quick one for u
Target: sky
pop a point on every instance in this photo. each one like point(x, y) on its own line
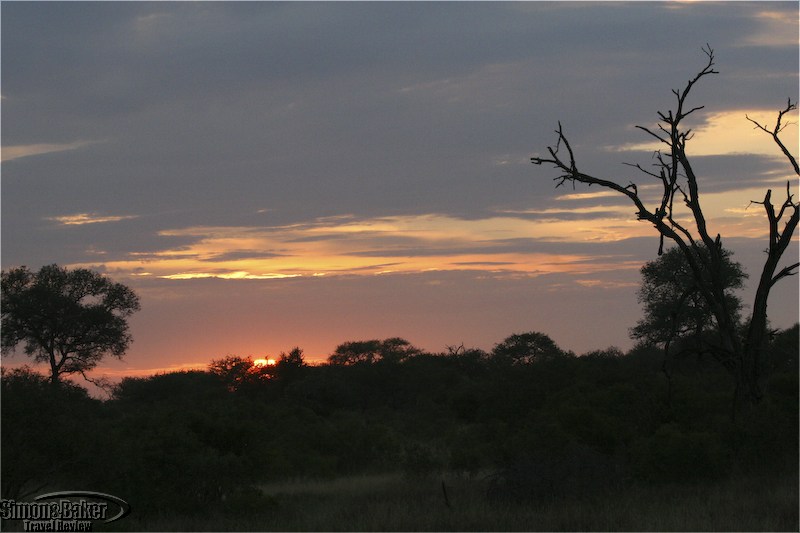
point(268, 175)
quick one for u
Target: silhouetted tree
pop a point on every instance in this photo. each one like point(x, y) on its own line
point(527, 348)
point(612, 352)
point(673, 305)
point(69, 319)
point(460, 351)
point(353, 352)
point(394, 349)
point(235, 371)
point(680, 186)
point(397, 350)
point(470, 361)
point(290, 366)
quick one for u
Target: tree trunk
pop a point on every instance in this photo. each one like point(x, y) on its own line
point(55, 369)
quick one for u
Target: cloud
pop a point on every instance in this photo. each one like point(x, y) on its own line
point(79, 219)
point(603, 212)
point(587, 195)
point(605, 284)
point(236, 255)
point(774, 29)
point(9, 153)
point(227, 275)
point(729, 133)
point(349, 245)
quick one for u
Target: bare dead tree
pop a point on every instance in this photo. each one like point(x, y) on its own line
point(740, 355)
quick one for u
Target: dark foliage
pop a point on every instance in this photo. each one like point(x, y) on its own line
point(574, 472)
point(372, 351)
point(45, 432)
point(555, 427)
point(69, 319)
point(526, 348)
point(672, 303)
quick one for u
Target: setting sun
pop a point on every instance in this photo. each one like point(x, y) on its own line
point(264, 362)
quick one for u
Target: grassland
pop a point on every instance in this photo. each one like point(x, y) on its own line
point(394, 502)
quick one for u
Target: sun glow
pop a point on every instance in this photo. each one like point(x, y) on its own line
point(264, 362)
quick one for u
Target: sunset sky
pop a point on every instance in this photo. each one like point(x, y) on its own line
point(270, 175)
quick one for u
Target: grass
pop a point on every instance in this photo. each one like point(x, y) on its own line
point(394, 502)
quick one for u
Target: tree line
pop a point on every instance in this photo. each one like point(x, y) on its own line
point(540, 421)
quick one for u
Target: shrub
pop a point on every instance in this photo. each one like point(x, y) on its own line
point(674, 455)
point(578, 471)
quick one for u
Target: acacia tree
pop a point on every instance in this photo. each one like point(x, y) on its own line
point(392, 350)
point(237, 372)
point(527, 348)
point(69, 319)
point(741, 355)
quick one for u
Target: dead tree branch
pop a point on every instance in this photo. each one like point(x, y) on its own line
point(775, 132)
point(679, 181)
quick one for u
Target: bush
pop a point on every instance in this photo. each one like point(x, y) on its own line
point(46, 431)
point(576, 472)
point(419, 459)
point(674, 455)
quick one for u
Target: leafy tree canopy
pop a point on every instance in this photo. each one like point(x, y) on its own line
point(673, 304)
point(69, 319)
point(394, 349)
point(290, 366)
point(236, 372)
point(526, 348)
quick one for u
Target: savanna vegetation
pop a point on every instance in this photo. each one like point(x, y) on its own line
point(525, 437)
point(695, 428)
